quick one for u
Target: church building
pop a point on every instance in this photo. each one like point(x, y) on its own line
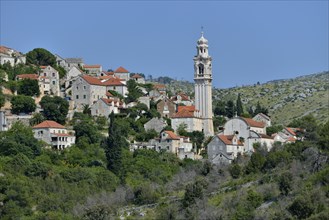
point(203, 85)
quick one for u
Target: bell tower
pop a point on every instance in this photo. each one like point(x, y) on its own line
point(203, 85)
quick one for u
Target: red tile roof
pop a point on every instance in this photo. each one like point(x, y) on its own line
point(253, 123)
point(92, 80)
point(43, 67)
point(112, 82)
point(28, 76)
point(291, 139)
point(184, 114)
point(136, 76)
point(48, 124)
point(121, 70)
point(159, 86)
point(291, 131)
point(188, 108)
point(91, 66)
point(227, 139)
point(96, 81)
point(171, 135)
point(4, 49)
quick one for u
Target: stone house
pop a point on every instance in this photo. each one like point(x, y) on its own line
point(263, 118)
point(54, 134)
point(122, 73)
point(166, 107)
point(222, 149)
point(189, 116)
point(104, 107)
point(52, 76)
point(71, 75)
point(247, 131)
point(86, 90)
point(182, 98)
point(155, 123)
point(11, 56)
point(170, 142)
point(94, 70)
point(138, 78)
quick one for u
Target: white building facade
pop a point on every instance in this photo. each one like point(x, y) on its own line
point(203, 85)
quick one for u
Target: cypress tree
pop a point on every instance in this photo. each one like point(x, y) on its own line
point(239, 107)
point(114, 145)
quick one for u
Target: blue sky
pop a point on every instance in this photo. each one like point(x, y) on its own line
point(249, 41)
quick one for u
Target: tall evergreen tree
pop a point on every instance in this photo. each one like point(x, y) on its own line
point(230, 109)
point(239, 107)
point(114, 146)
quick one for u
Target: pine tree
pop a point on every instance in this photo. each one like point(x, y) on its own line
point(239, 107)
point(114, 146)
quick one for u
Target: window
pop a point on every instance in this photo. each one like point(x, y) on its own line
point(84, 87)
point(54, 74)
point(84, 96)
point(77, 96)
point(201, 69)
point(54, 82)
point(45, 74)
point(113, 87)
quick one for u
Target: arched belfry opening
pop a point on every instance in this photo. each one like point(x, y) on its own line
point(201, 69)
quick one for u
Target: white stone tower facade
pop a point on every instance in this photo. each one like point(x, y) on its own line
point(203, 85)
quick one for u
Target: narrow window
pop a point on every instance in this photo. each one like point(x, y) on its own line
point(77, 96)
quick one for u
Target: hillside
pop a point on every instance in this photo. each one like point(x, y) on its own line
point(286, 99)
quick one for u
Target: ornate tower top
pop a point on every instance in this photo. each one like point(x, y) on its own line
point(202, 40)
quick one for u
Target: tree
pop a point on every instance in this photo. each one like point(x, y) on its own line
point(19, 139)
point(197, 138)
point(54, 108)
point(22, 104)
point(302, 207)
point(37, 118)
point(2, 99)
point(181, 130)
point(260, 109)
point(40, 57)
point(230, 109)
point(114, 146)
point(220, 108)
point(133, 91)
point(28, 87)
point(239, 107)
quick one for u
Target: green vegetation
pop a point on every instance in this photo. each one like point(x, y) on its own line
point(54, 108)
point(22, 104)
point(28, 87)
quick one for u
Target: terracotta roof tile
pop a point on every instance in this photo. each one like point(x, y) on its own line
point(136, 76)
point(111, 81)
point(121, 70)
point(48, 124)
point(227, 139)
point(188, 108)
point(171, 135)
point(253, 123)
point(291, 131)
point(159, 86)
point(92, 80)
point(184, 114)
point(28, 76)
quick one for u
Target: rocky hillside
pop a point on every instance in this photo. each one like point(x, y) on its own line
point(285, 99)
